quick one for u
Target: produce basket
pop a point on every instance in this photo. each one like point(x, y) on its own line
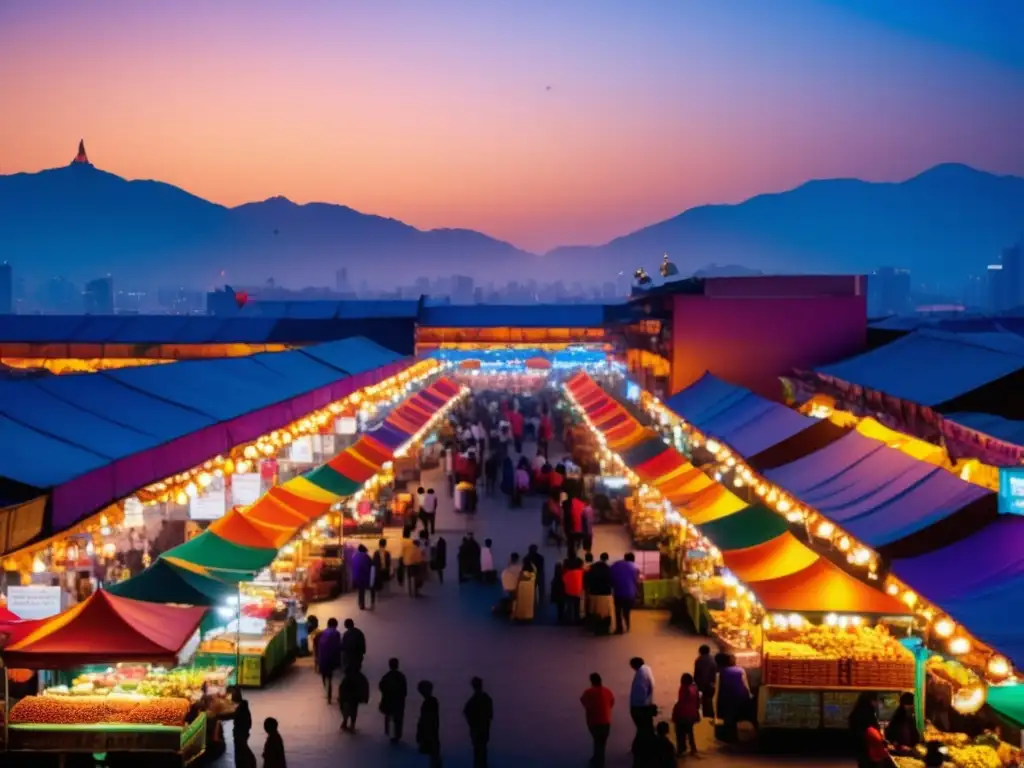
point(806, 672)
point(884, 675)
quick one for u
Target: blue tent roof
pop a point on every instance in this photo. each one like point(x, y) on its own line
point(1007, 430)
point(53, 429)
point(931, 367)
point(877, 493)
point(746, 421)
point(514, 316)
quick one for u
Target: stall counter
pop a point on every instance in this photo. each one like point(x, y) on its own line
point(256, 669)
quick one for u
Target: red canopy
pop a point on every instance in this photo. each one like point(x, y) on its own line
point(105, 629)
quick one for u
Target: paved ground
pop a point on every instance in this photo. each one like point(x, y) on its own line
point(535, 673)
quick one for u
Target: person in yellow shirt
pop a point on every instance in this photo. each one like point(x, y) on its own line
point(412, 560)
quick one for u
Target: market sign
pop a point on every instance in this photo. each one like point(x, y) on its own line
point(134, 513)
point(246, 488)
point(1011, 491)
point(301, 450)
point(210, 503)
point(34, 602)
point(346, 425)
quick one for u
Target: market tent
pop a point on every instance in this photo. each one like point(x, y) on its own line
point(745, 421)
point(823, 587)
point(1007, 701)
point(883, 496)
point(978, 580)
point(243, 531)
point(776, 557)
point(164, 582)
point(931, 367)
point(6, 615)
point(812, 439)
point(752, 525)
point(105, 629)
point(912, 446)
point(221, 557)
point(712, 503)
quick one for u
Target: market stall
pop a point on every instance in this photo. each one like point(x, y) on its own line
point(115, 716)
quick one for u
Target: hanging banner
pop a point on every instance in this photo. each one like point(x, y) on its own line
point(246, 488)
point(346, 425)
point(329, 445)
point(35, 602)
point(134, 513)
point(301, 450)
point(210, 503)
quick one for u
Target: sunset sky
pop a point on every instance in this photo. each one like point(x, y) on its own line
point(539, 122)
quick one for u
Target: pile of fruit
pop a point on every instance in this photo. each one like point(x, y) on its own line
point(987, 751)
point(953, 672)
point(826, 642)
point(115, 708)
point(142, 680)
point(974, 756)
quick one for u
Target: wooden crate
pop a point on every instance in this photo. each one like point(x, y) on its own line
point(884, 675)
point(807, 672)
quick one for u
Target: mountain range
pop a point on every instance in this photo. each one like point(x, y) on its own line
point(79, 221)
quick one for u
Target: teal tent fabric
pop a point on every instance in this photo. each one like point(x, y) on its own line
point(164, 582)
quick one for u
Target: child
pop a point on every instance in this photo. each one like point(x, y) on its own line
point(273, 748)
point(487, 571)
point(685, 714)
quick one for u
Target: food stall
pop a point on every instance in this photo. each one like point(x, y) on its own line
point(90, 719)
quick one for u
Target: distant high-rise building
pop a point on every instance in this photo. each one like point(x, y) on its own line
point(889, 291)
point(974, 292)
point(462, 289)
point(99, 296)
point(1013, 273)
point(6, 289)
point(341, 281)
point(58, 294)
point(81, 158)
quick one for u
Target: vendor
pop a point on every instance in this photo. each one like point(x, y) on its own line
point(902, 731)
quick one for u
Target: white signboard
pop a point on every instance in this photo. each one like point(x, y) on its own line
point(318, 445)
point(346, 425)
point(35, 602)
point(134, 513)
point(301, 450)
point(210, 503)
point(329, 446)
point(246, 488)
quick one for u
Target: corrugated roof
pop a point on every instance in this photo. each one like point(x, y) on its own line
point(1007, 430)
point(931, 367)
point(514, 316)
point(139, 425)
point(746, 421)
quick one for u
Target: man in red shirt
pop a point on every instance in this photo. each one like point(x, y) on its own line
point(598, 702)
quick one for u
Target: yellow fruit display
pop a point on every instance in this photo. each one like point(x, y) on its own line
point(974, 756)
point(83, 710)
point(952, 672)
point(832, 642)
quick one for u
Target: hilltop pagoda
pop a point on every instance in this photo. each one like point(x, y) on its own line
point(81, 158)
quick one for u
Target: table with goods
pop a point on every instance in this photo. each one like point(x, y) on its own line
point(260, 644)
point(124, 708)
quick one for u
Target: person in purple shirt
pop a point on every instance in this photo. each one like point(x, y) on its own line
point(328, 652)
point(362, 574)
point(625, 583)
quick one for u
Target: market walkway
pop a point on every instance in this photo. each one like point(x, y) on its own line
point(534, 673)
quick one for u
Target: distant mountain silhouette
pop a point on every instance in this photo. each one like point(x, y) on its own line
point(79, 222)
point(947, 222)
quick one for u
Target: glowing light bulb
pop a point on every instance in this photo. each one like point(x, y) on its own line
point(831, 619)
point(958, 646)
point(825, 529)
point(998, 667)
point(944, 628)
point(893, 590)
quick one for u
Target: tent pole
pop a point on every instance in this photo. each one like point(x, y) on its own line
point(238, 636)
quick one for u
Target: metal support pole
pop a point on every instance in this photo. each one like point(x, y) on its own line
point(238, 637)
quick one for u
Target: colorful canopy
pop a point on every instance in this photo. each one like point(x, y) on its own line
point(756, 543)
point(748, 422)
point(105, 629)
point(244, 541)
point(165, 582)
point(882, 495)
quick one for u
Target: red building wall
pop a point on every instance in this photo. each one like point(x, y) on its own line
point(752, 339)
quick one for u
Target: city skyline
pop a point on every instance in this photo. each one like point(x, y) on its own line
point(442, 117)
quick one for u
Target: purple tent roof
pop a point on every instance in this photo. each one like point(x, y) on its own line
point(879, 494)
point(746, 421)
point(992, 556)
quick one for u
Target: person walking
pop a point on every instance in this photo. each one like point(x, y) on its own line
point(381, 570)
point(602, 604)
point(510, 577)
point(597, 703)
point(362, 574)
point(625, 579)
point(429, 513)
point(353, 645)
point(329, 655)
point(572, 581)
point(393, 691)
point(479, 713)
point(428, 728)
point(534, 561)
point(488, 573)
point(439, 559)
point(273, 747)
point(353, 690)
point(241, 722)
point(686, 714)
point(491, 466)
point(705, 672)
point(421, 495)
point(412, 560)
point(641, 695)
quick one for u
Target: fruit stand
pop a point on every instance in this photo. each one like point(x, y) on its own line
point(117, 709)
